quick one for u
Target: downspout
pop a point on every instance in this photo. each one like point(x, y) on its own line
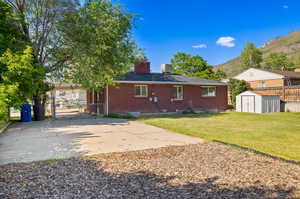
point(107, 100)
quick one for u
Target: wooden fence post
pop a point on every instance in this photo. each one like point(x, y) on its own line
point(283, 93)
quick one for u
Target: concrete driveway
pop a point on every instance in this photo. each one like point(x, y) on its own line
point(25, 142)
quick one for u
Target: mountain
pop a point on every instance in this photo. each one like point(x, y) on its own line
point(289, 44)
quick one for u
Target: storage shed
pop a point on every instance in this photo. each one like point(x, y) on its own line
point(252, 102)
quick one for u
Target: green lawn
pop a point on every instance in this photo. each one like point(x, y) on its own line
point(276, 134)
point(1, 124)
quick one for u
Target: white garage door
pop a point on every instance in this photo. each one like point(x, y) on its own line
point(248, 103)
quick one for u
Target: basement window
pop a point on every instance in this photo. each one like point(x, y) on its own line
point(209, 91)
point(177, 93)
point(141, 91)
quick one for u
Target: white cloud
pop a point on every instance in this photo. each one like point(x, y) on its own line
point(200, 46)
point(285, 6)
point(226, 41)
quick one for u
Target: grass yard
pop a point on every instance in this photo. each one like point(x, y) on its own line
point(276, 134)
point(2, 124)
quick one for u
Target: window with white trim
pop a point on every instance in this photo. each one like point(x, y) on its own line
point(261, 84)
point(177, 93)
point(141, 91)
point(209, 91)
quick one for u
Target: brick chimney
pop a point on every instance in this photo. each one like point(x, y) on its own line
point(142, 67)
point(297, 70)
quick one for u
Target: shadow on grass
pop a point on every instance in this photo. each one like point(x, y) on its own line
point(86, 178)
point(257, 152)
point(179, 116)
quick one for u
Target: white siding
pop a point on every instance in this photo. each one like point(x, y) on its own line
point(254, 74)
point(270, 104)
point(263, 104)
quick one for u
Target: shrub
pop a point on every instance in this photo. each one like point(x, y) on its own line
point(230, 106)
point(236, 87)
point(120, 116)
point(188, 111)
point(3, 104)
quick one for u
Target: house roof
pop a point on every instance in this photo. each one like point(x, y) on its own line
point(288, 74)
point(261, 93)
point(164, 78)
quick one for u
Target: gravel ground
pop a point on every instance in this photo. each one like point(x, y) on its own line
point(194, 171)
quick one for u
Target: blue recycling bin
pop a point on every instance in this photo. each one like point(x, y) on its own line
point(26, 113)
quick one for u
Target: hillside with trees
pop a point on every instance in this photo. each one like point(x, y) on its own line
point(275, 49)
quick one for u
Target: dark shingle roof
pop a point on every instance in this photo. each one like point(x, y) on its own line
point(165, 78)
point(288, 74)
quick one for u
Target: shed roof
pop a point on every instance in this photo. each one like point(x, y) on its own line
point(257, 93)
point(166, 78)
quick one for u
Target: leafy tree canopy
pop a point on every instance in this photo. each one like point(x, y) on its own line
point(278, 61)
point(251, 56)
point(22, 75)
point(16, 69)
point(236, 87)
point(194, 66)
point(10, 36)
point(98, 38)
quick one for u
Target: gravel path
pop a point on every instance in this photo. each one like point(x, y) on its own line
point(194, 171)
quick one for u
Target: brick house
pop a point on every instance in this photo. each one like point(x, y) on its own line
point(145, 92)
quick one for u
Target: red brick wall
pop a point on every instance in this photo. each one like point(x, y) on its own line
point(143, 67)
point(122, 99)
point(97, 101)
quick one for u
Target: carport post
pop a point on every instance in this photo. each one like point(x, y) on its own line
point(53, 108)
point(106, 100)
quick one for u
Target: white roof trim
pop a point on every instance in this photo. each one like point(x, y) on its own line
point(244, 74)
point(253, 93)
point(178, 83)
point(268, 72)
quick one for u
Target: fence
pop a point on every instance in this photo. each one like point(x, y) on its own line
point(286, 93)
point(290, 96)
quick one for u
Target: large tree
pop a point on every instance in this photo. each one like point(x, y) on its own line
point(98, 38)
point(37, 24)
point(278, 61)
point(251, 56)
point(194, 66)
point(12, 42)
point(10, 36)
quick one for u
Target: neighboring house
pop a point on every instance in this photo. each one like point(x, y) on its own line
point(259, 78)
point(145, 92)
point(68, 95)
point(285, 84)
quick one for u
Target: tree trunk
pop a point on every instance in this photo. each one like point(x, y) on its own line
point(38, 108)
point(8, 113)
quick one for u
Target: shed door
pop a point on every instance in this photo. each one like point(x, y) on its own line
point(248, 103)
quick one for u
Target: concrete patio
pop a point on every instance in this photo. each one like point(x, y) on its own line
point(71, 137)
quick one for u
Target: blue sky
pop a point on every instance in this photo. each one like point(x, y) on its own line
point(169, 26)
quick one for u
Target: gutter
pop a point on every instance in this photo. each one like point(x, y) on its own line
point(176, 83)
